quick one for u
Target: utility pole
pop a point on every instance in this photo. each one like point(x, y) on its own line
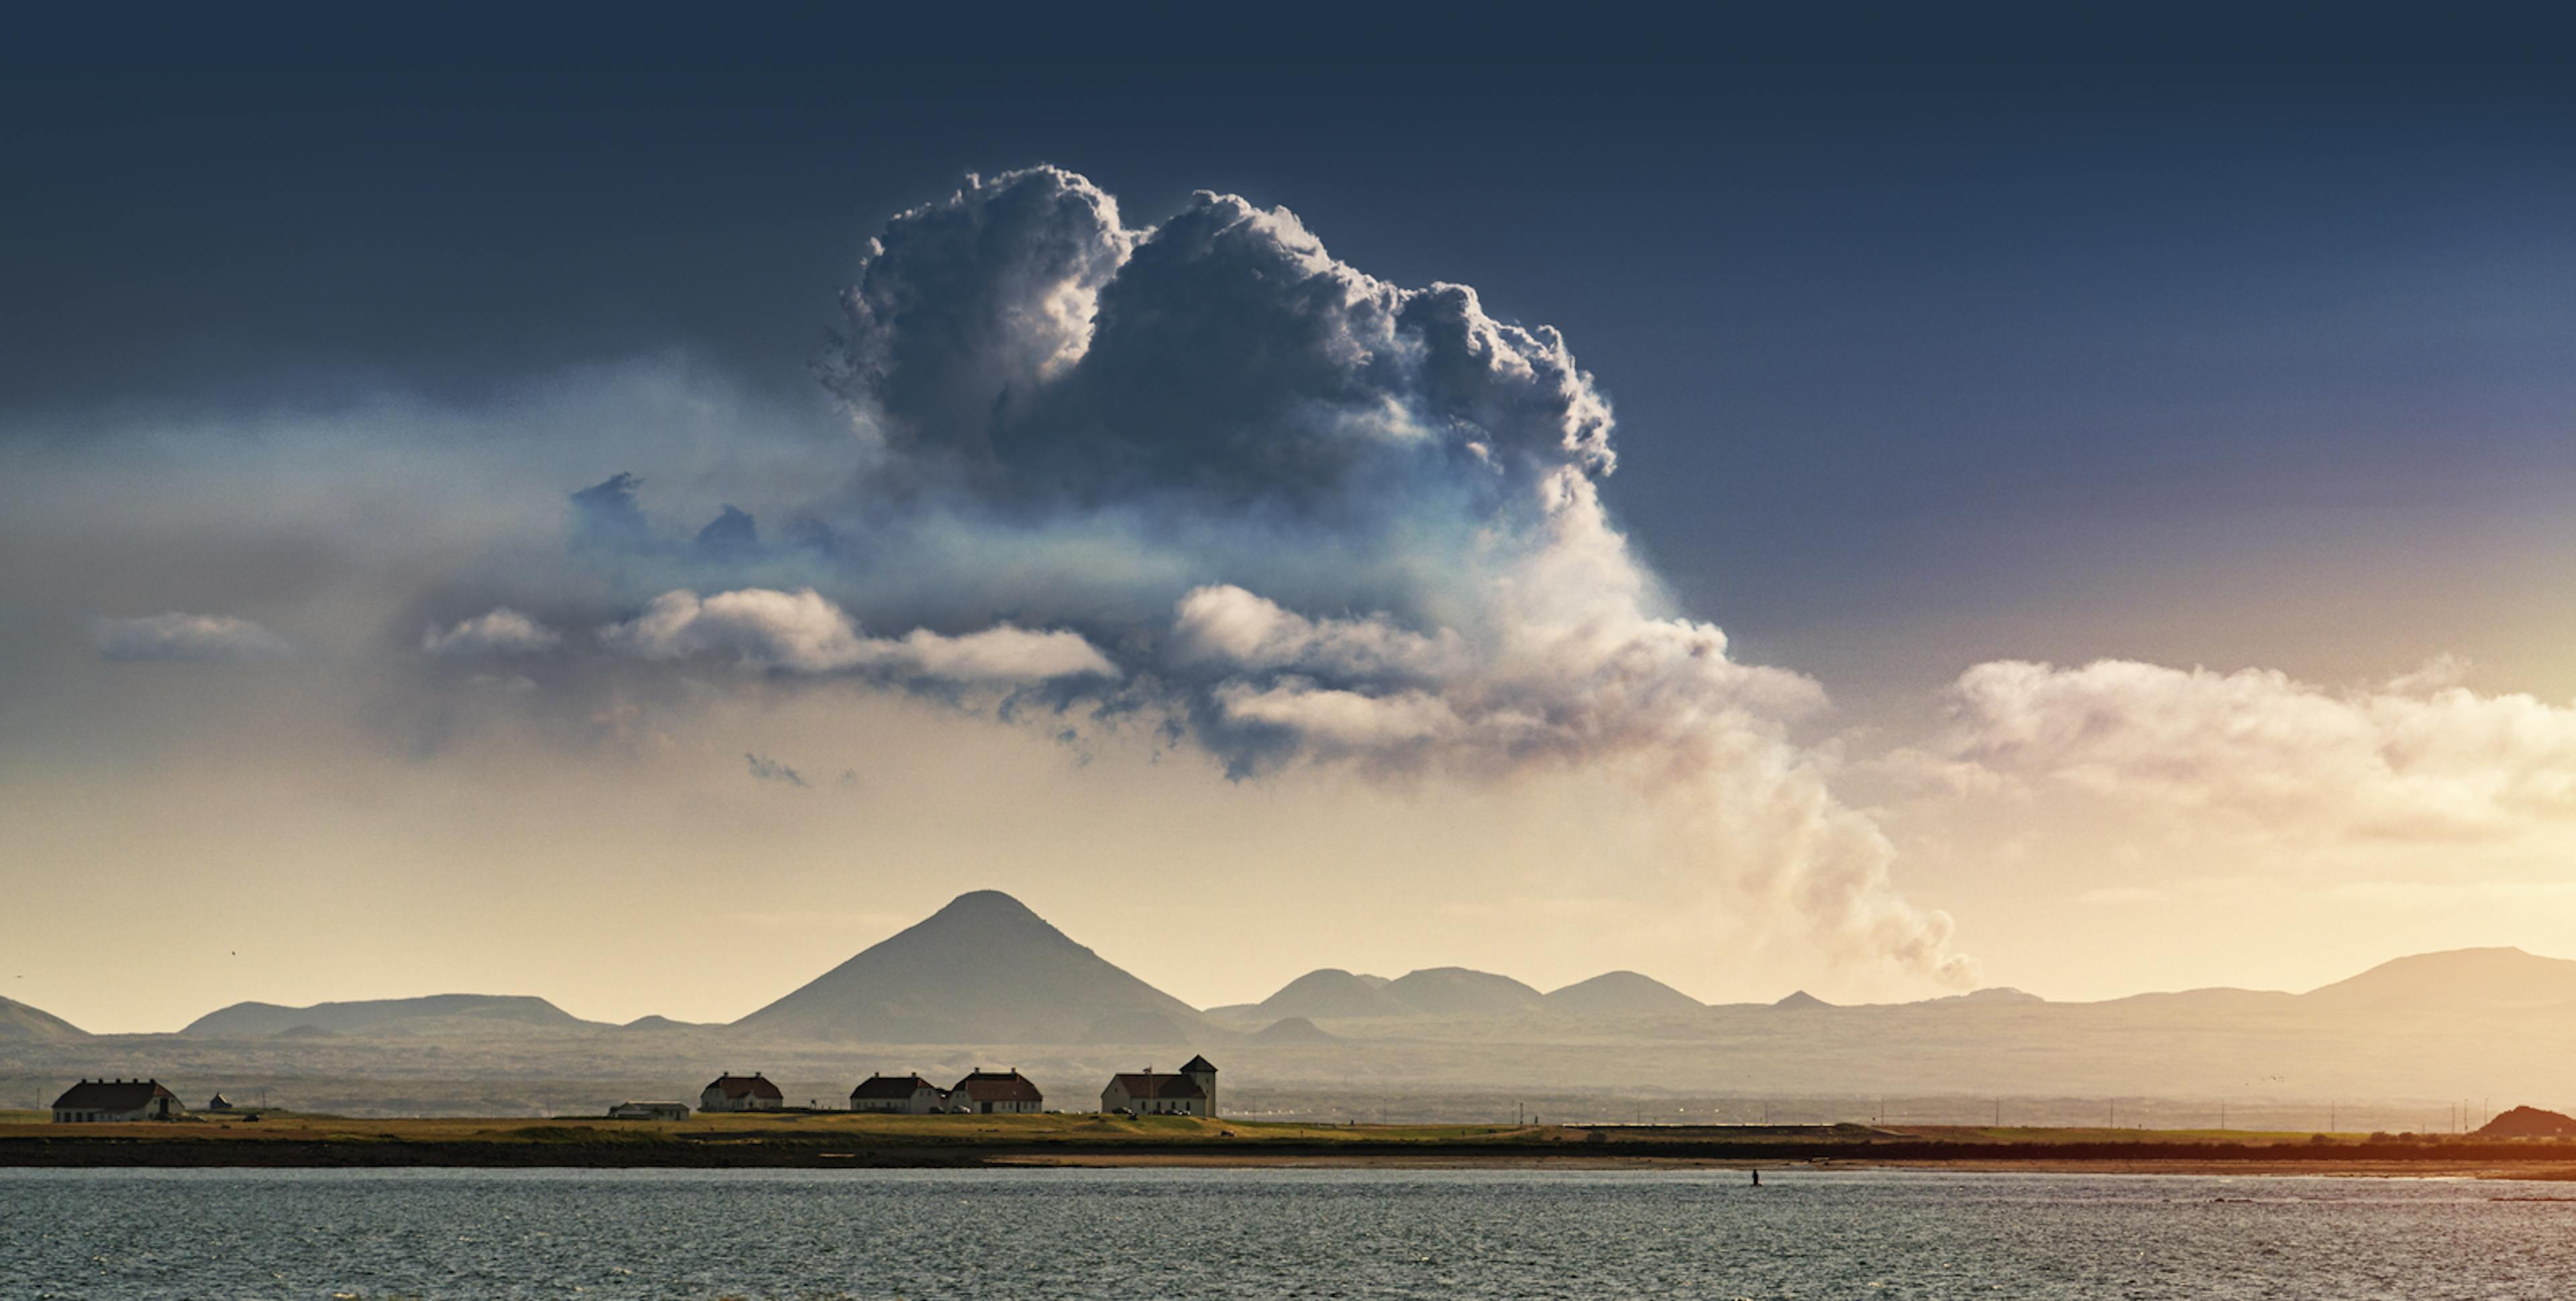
point(1999, 1113)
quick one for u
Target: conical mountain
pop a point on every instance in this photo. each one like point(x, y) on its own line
point(1333, 992)
point(19, 1021)
point(1622, 993)
point(984, 969)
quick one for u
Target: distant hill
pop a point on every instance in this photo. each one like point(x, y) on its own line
point(1333, 992)
point(2488, 979)
point(1991, 996)
point(1457, 991)
point(2528, 1122)
point(984, 969)
point(21, 1022)
point(1801, 1001)
point(1621, 993)
point(663, 1023)
point(435, 1014)
point(1294, 1030)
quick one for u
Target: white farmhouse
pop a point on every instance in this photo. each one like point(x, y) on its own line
point(908, 1095)
point(990, 1092)
point(112, 1100)
point(1192, 1092)
point(741, 1093)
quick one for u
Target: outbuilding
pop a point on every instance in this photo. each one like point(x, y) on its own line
point(96, 1101)
point(649, 1111)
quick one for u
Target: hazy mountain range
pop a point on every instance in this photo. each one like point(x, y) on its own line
point(987, 980)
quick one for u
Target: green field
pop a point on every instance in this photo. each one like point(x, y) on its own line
point(850, 1140)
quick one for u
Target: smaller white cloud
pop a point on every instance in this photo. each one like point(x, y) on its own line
point(1230, 629)
point(201, 638)
point(1337, 721)
point(802, 632)
point(504, 631)
point(2417, 758)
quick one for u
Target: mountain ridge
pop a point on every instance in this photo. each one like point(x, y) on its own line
point(22, 1021)
point(385, 1015)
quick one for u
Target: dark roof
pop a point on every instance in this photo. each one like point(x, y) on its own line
point(746, 1086)
point(113, 1095)
point(1159, 1088)
point(1198, 1064)
point(999, 1086)
point(896, 1087)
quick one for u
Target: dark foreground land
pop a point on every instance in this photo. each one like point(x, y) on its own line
point(847, 1141)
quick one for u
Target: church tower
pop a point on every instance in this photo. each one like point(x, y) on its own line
point(1203, 1074)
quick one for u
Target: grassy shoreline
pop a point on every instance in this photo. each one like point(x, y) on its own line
point(848, 1141)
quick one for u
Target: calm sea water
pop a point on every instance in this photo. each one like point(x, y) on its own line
point(217, 1235)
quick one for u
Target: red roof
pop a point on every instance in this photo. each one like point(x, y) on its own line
point(1159, 1088)
point(746, 1086)
point(113, 1095)
point(891, 1087)
point(999, 1086)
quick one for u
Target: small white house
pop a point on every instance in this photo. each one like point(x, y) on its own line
point(908, 1095)
point(649, 1111)
point(95, 1101)
point(751, 1092)
point(1191, 1092)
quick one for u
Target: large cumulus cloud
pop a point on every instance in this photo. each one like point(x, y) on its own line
point(1302, 516)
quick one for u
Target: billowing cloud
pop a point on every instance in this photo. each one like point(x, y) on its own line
point(802, 632)
point(2420, 757)
point(1019, 338)
point(1317, 518)
point(503, 631)
point(204, 638)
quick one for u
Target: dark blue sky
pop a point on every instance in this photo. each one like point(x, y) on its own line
point(2016, 335)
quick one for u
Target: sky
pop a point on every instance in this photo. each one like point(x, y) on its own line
point(2082, 505)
